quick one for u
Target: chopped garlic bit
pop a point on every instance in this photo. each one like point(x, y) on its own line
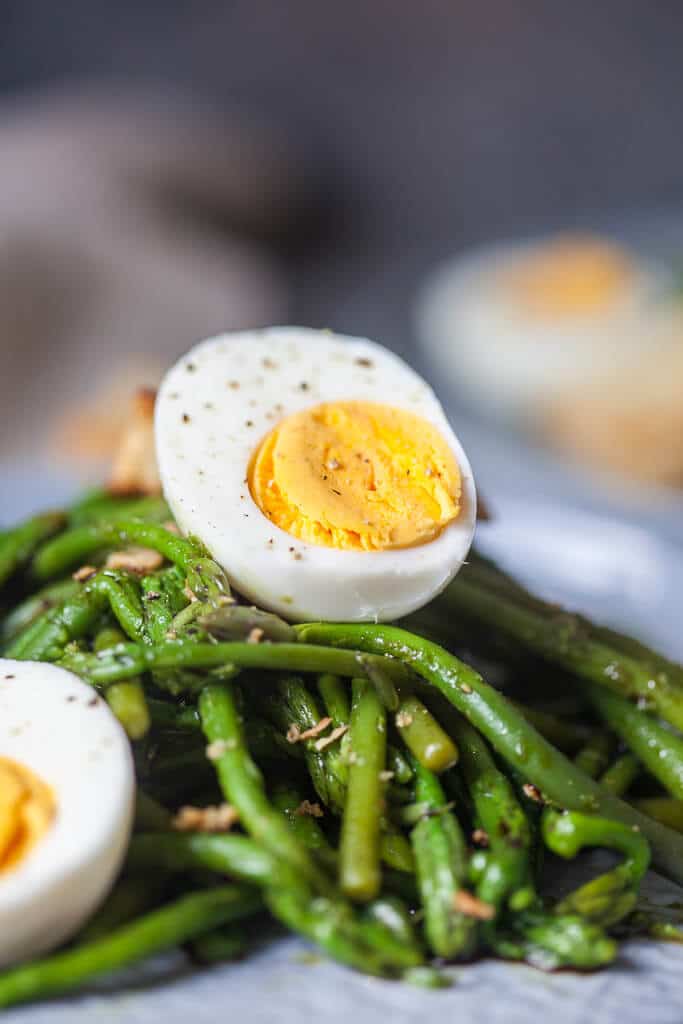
point(313, 810)
point(296, 735)
point(138, 560)
point(336, 734)
point(220, 818)
point(471, 906)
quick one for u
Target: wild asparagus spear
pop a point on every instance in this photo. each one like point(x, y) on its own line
point(131, 659)
point(658, 748)
point(564, 640)
point(359, 851)
point(328, 921)
point(242, 783)
point(46, 639)
point(160, 930)
point(441, 867)
point(506, 730)
point(424, 737)
point(18, 544)
point(620, 775)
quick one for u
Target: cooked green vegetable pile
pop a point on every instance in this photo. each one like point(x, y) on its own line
point(361, 784)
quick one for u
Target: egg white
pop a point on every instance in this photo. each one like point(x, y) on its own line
point(65, 733)
point(215, 406)
point(511, 363)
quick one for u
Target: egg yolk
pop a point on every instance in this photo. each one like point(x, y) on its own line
point(27, 809)
point(568, 276)
point(357, 476)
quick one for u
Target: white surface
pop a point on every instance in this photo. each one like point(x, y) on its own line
point(65, 733)
point(207, 432)
point(621, 574)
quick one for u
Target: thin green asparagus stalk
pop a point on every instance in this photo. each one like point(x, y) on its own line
point(75, 546)
point(18, 544)
point(335, 694)
point(663, 809)
point(621, 774)
point(100, 507)
point(130, 659)
point(329, 922)
point(565, 734)
point(127, 701)
point(441, 867)
point(424, 737)
point(594, 756)
point(46, 639)
point(659, 749)
point(359, 874)
point(26, 613)
point(288, 799)
point(223, 945)
point(292, 705)
point(162, 929)
point(505, 729)
point(563, 640)
point(129, 898)
point(242, 783)
point(506, 879)
point(394, 849)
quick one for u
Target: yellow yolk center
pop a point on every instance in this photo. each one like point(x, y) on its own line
point(357, 476)
point(27, 809)
point(571, 275)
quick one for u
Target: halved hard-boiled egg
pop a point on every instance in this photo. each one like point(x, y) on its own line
point(319, 470)
point(513, 325)
point(66, 805)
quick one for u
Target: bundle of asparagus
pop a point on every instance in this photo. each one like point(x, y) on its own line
point(361, 784)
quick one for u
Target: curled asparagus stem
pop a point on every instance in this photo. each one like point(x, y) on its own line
point(610, 897)
point(658, 748)
point(441, 867)
point(162, 929)
point(424, 737)
point(548, 941)
point(564, 640)
point(505, 729)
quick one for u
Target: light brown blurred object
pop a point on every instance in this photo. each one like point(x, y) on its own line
point(630, 421)
point(131, 226)
point(134, 470)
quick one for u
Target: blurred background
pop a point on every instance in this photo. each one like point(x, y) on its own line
point(493, 189)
